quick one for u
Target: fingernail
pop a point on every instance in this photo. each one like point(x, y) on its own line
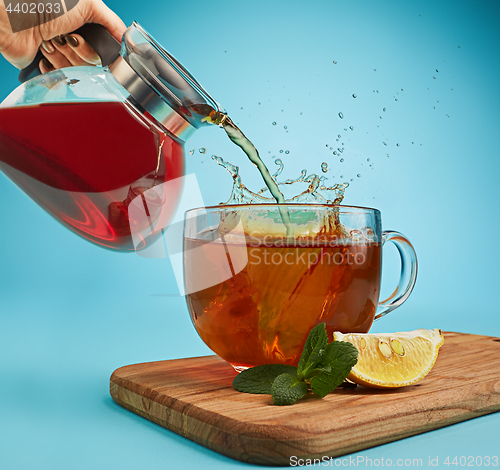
point(47, 64)
point(71, 40)
point(49, 48)
point(59, 40)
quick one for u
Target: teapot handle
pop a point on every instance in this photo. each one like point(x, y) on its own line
point(96, 35)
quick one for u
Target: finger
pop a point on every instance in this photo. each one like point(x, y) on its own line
point(101, 14)
point(56, 58)
point(68, 55)
point(45, 66)
point(82, 49)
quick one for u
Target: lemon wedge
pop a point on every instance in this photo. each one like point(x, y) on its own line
point(391, 360)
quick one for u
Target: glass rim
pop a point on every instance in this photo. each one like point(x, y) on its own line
point(342, 208)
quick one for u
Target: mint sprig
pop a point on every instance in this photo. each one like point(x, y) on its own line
point(322, 366)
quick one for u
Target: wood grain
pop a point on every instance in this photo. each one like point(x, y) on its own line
point(194, 397)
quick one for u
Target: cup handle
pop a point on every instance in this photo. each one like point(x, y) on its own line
point(408, 273)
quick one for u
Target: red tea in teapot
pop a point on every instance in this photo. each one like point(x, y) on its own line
point(85, 162)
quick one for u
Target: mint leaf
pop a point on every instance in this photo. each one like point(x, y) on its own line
point(287, 389)
point(259, 379)
point(336, 363)
point(316, 342)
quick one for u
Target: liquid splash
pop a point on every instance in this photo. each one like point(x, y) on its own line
point(315, 193)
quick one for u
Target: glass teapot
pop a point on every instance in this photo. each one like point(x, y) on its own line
point(87, 143)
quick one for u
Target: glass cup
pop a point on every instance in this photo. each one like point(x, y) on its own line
point(255, 286)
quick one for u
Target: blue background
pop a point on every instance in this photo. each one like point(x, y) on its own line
point(71, 313)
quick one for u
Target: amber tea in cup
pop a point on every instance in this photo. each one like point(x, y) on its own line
point(254, 291)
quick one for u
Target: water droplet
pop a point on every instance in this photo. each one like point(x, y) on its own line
point(367, 159)
point(285, 127)
point(341, 115)
point(287, 151)
point(354, 95)
point(352, 128)
point(335, 152)
point(397, 145)
point(278, 161)
point(324, 167)
point(358, 175)
point(327, 145)
point(339, 136)
point(341, 160)
point(191, 151)
point(395, 99)
point(336, 61)
point(281, 151)
point(274, 123)
point(202, 150)
point(384, 110)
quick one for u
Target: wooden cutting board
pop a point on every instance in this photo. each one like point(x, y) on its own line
point(194, 398)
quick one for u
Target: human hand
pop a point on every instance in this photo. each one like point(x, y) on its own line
point(59, 48)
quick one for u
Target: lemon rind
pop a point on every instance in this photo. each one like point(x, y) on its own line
point(435, 336)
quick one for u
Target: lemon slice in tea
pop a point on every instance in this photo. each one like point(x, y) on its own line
point(390, 360)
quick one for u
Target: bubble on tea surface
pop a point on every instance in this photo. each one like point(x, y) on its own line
point(354, 95)
point(339, 136)
point(285, 127)
point(358, 175)
point(202, 150)
point(191, 151)
point(351, 127)
point(384, 110)
point(278, 161)
point(287, 151)
point(324, 167)
point(274, 123)
point(336, 61)
point(281, 151)
point(341, 115)
point(341, 160)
